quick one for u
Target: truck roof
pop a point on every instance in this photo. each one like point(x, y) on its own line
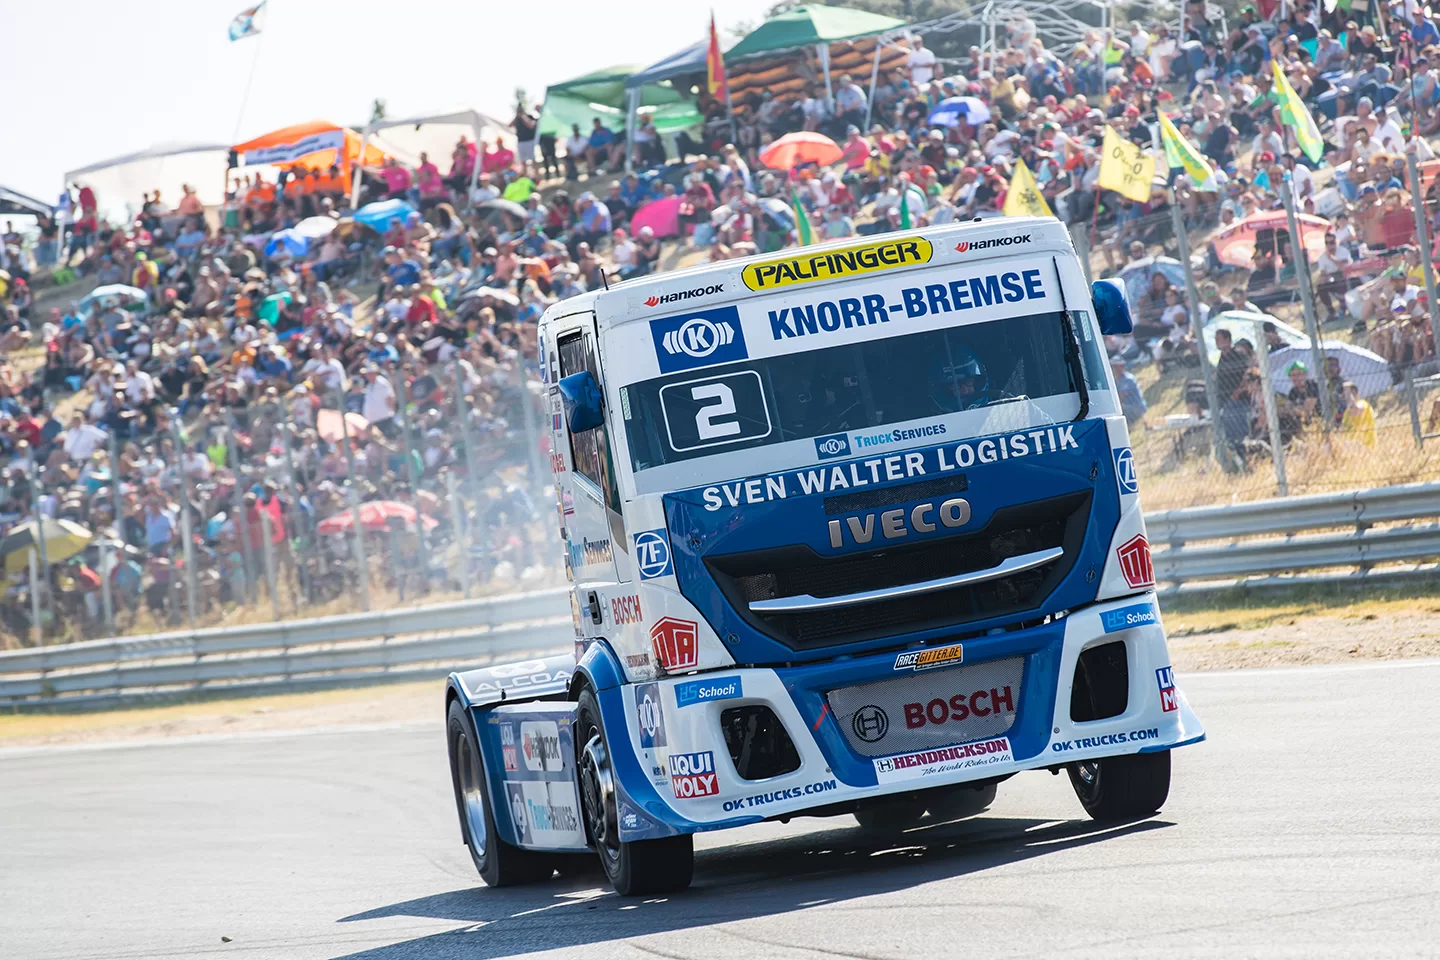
point(708, 284)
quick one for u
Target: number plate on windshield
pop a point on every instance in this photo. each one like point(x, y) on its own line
point(714, 411)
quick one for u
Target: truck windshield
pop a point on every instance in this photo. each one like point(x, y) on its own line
point(854, 386)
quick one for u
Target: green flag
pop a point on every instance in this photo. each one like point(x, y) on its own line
point(905, 209)
point(1179, 152)
point(802, 222)
point(1295, 116)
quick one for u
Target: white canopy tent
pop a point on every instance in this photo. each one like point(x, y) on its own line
point(433, 134)
point(120, 182)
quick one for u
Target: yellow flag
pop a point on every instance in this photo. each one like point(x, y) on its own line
point(1023, 199)
point(1125, 168)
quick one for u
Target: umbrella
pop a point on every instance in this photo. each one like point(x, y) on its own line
point(1368, 371)
point(662, 216)
point(1137, 274)
point(351, 232)
point(315, 227)
point(779, 211)
point(793, 149)
point(378, 215)
point(505, 296)
point(503, 206)
point(949, 113)
point(374, 515)
point(63, 539)
point(327, 424)
point(1235, 244)
point(109, 292)
point(288, 243)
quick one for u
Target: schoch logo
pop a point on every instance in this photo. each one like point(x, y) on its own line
point(654, 301)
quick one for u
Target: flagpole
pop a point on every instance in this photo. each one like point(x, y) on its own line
point(249, 83)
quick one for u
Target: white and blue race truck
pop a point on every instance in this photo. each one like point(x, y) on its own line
point(850, 529)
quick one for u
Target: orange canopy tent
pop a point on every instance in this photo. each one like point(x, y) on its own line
point(317, 145)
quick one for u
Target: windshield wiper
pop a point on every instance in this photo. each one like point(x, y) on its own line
point(1072, 349)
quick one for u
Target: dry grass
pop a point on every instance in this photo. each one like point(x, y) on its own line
point(1235, 610)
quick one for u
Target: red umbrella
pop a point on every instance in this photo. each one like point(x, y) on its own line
point(374, 515)
point(793, 149)
point(1235, 244)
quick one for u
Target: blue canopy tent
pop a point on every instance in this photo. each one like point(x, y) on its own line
point(683, 63)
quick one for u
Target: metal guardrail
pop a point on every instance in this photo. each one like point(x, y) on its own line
point(1204, 548)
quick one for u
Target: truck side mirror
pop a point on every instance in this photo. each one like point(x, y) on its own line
point(581, 398)
point(1112, 308)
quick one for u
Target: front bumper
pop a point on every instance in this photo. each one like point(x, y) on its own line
point(685, 778)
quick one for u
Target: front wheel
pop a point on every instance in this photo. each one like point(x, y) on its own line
point(500, 864)
point(633, 868)
point(1122, 788)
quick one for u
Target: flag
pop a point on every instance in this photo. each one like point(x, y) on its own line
point(715, 82)
point(1125, 168)
point(802, 222)
point(1023, 199)
point(1179, 152)
point(247, 22)
point(1294, 114)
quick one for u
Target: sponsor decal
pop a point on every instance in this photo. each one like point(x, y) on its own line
point(652, 554)
point(931, 657)
point(870, 723)
point(637, 661)
point(556, 422)
point(835, 445)
point(898, 523)
point(792, 793)
point(863, 440)
point(546, 814)
point(625, 610)
point(676, 643)
point(1135, 615)
point(932, 763)
point(650, 715)
point(1135, 562)
point(1125, 470)
point(1165, 678)
point(700, 338)
point(971, 246)
point(655, 300)
point(567, 503)
point(693, 775)
point(931, 300)
point(837, 264)
point(508, 755)
point(589, 551)
point(557, 462)
point(961, 706)
point(540, 745)
point(896, 466)
point(703, 691)
point(529, 673)
point(1107, 740)
point(629, 816)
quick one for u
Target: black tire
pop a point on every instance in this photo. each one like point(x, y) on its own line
point(1122, 788)
point(896, 814)
point(961, 801)
point(638, 867)
point(499, 864)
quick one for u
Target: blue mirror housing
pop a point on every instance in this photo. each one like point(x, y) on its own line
point(580, 396)
point(1112, 308)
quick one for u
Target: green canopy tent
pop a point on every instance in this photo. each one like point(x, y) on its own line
point(812, 24)
point(602, 94)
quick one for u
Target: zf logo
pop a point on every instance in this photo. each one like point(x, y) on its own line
point(698, 339)
point(1125, 470)
point(652, 554)
point(870, 723)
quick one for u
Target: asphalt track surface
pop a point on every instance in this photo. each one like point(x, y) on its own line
point(1308, 826)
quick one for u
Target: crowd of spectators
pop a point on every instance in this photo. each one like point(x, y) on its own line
point(207, 387)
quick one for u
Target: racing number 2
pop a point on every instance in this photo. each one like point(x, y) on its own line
point(729, 408)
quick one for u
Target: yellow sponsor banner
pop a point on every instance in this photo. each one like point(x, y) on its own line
point(837, 264)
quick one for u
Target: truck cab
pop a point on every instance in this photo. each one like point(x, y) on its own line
point(852, 528)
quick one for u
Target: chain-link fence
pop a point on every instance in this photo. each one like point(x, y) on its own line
point(248, 512)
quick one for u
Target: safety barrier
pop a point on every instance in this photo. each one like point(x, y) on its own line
point(1372, 534)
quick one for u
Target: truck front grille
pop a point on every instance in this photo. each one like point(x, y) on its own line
point(798, 570)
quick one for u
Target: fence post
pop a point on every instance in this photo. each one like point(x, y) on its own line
point(402, 393)
point(232, 448)
point(462, 414)
point(532, 434)
point(1272, 415)
point(107, 597)
point(268, 549)
point(1422, 234)
point(298, 530)
point(1412, 400)
point(34, 598)
point(1192, 299)
point(362, 571)
point(115, 486)
point(40, 533)
point(462, 548)
point(187, 533)
point(1307, 301)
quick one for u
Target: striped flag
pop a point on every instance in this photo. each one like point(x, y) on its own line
point(715, 82)
point(1179, 152)
point(1295, 116)
point(802, 222)
point(247, 22)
